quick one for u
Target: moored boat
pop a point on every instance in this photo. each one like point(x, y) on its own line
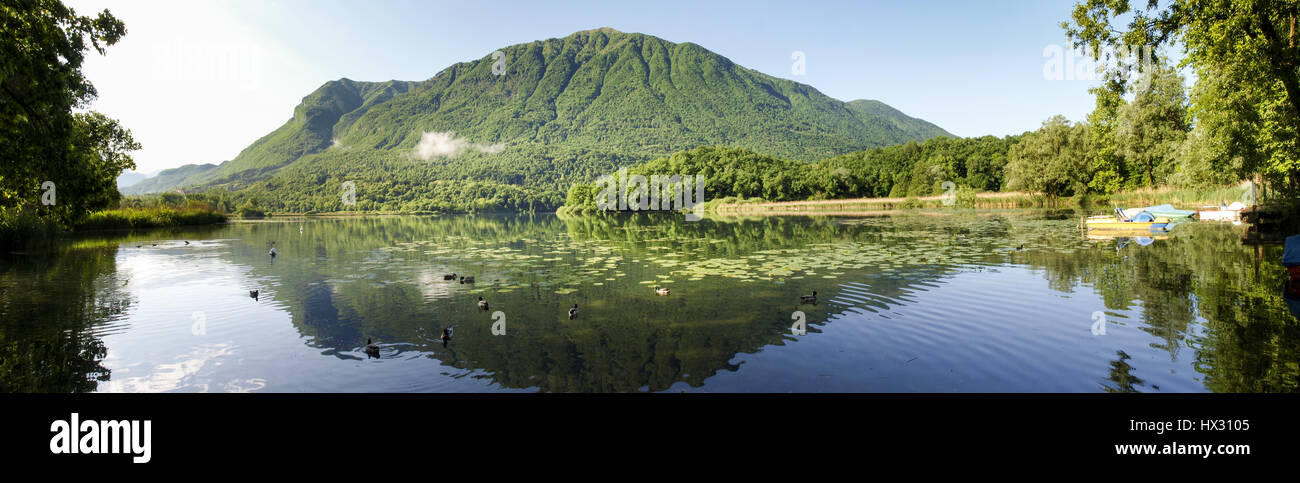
point(1143, 221)
point(1168, 211)
point(1113, 223)
point(1230, 212)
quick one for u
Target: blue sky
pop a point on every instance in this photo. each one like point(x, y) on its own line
point(971, 67)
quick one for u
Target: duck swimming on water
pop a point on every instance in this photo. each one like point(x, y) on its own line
point(449, 276)
point(482, 304)
point(809, 299)
point(661, 290)
point(372, 348)
point(573, 312)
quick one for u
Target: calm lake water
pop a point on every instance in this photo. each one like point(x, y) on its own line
point(980, 302)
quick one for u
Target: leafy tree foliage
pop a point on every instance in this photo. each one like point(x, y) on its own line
point(912, 169)
point(1152, 127)
point(41, 138)
point(1248, 66)
point(1054, 160)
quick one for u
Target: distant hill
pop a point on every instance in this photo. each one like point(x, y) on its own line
point(128, 178)
point(564, 111)
point(168, 179)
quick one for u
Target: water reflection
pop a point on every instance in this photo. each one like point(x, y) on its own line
point(52, 312)
point(1291, 292)
point(1121, 376)
point(977, 302)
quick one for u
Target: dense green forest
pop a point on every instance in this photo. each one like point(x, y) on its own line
point(912, 169)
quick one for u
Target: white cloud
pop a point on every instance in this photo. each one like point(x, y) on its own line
point(446, 144)
point(440, 144)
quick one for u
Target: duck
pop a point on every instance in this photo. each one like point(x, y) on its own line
point(661, 290)
point(272, 252)
point(482, 304)
point(252, 293)
point(449, 276)
point(466, 279)
point(371, 348)
point(573, 312)
point(809, 299)
point(446, 334)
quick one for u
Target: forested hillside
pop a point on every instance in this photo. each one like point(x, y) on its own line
point(553, 113)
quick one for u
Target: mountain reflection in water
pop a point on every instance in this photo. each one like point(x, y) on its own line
point(984, 302)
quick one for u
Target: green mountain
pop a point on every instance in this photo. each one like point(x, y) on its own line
point(331, 109)
point(561, 111)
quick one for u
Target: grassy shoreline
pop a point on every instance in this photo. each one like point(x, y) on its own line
point(155, 217)
point(346, 214)
point(25, 230)
point(1188, 199)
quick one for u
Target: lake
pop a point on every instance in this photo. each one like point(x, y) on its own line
point(1013, 301)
